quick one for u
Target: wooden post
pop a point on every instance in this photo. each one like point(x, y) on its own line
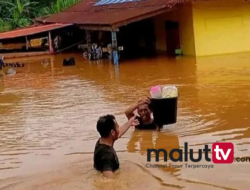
point(51, 49)
point(114, 48)
point(27, 42)
point(88, 38)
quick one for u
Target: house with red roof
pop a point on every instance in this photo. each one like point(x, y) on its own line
point(197, 27)
point(145, 27)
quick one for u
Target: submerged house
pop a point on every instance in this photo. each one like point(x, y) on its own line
point(33, 40)
point(198, 27)
point(146, 27)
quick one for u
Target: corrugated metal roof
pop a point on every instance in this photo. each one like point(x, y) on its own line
point(107, 2)
point(108, 17)
point(85, 12)
point(31, 30)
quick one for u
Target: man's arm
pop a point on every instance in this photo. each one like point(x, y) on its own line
point(108, 174)
point(124, 128)
point(159, 127)
point(107, 168)
point(130, 111)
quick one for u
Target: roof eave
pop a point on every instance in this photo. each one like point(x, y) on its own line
point(164, 9)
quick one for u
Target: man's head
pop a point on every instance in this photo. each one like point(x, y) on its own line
point(108, 127)
point(144, 112)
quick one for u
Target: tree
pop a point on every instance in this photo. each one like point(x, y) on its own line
point(18, 13)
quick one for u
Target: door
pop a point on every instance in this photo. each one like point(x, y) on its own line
point(172, 37)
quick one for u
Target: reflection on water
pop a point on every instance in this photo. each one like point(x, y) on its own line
point(48, 115)
point(143, 140)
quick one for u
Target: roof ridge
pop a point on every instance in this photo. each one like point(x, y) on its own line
point(96, 9)
point(135, 5)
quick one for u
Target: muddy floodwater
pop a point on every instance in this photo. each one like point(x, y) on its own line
point(48, 117)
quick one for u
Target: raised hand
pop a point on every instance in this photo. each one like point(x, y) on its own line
point(133, 121)
point(144, 101)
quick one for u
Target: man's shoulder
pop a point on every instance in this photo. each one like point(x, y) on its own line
point(103, 150)
point(97, 144)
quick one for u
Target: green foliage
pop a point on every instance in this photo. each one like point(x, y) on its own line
point(4, 26)
point(57, 6)
point(20, 13)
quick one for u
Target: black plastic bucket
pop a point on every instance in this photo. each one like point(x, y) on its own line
point(164, 110)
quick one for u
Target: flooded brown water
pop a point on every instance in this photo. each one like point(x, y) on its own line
point(48, 115)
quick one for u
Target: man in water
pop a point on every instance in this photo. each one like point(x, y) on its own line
point(144, 118)
point(105, 158)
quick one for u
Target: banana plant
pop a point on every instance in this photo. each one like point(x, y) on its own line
point(20, 12)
